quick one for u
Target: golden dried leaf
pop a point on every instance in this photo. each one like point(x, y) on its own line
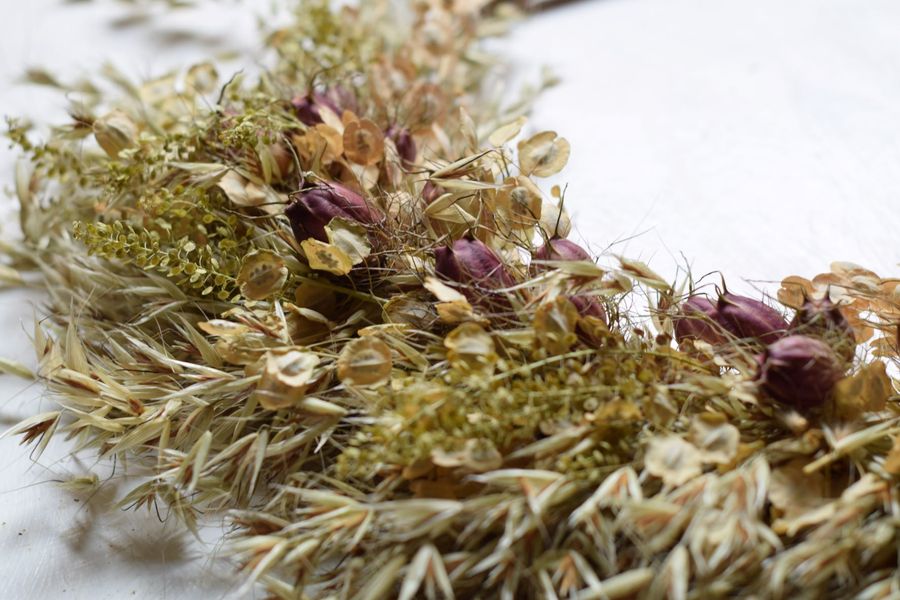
point(470, 347)
point(506, 132)
point(554, 325)
point(365, 361)
point(363, 142)
point(793, 291)
point(326, 257)
point(892, 460)
point(543, 154)
point(866, 391)
point(285, 378)
point(673, 460)
point(262, 275)
point(442, 291)
point(350, 237)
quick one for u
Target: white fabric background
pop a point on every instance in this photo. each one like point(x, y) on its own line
point(758, 137)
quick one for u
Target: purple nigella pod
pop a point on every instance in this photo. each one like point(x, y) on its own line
point(404, 142)
point(473, 263)
point(799, 371)
point(589, 306)
point(561, 249)
point(307, 108)
point(698, 319)
point(823, 319)
point(317, 205)
point(748, 318)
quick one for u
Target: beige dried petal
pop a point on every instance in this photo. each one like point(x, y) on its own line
point(363, 142)
point(262, 274)
point(554, 325)
point(794, 290)
point(543, 154)
point(506, 132)
point(240, 191)
point(115, 132)
point(349, 237)
point(285, 378)
point(715, 438)
point(441, 291)
point(673, 460)
point(794, 492)
point(365, 361)
point(520, 202)
point(326, 257)
point(222, 327)
point(471, 348)
point(555, 221)
point(866, 391)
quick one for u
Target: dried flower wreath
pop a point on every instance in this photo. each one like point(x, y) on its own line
point(336, 303)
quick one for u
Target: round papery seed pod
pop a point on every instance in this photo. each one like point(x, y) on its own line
point(698, 319)
point(823, 319)
point(472, 263)
point(799, 371)
point(404, 142)
point(561, 249)
point(317, 205)
point(748, 318)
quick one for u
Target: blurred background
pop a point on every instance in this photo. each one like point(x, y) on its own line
point(754, 139)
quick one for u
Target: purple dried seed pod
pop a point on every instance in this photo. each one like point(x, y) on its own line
point(823, 319)
point(431, 192)
point(589, 306)
point(799, 371)
point(471, 262)
point(406, 145)
point(316, 206)
point(698, 319)
point(748, 318)
point(307, 108)
point(561, 249)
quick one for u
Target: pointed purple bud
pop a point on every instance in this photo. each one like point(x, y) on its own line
point(823, 319)
point(307, 108)
point(589, 306)
point(405, 144)
point(316, 206)
point(799, 371)
point(561, 249)
point(748, 318)
point(698, 319)
point(472, 263)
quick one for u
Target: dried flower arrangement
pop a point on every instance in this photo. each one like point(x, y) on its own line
point(336, 303)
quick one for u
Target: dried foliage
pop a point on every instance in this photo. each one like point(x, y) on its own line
point(334, 303)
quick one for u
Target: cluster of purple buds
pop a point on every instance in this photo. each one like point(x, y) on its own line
point(799, 371)
point(560, 249)
point(316, 205)
point(740, 316)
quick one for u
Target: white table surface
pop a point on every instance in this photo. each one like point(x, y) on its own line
point(757, 137)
